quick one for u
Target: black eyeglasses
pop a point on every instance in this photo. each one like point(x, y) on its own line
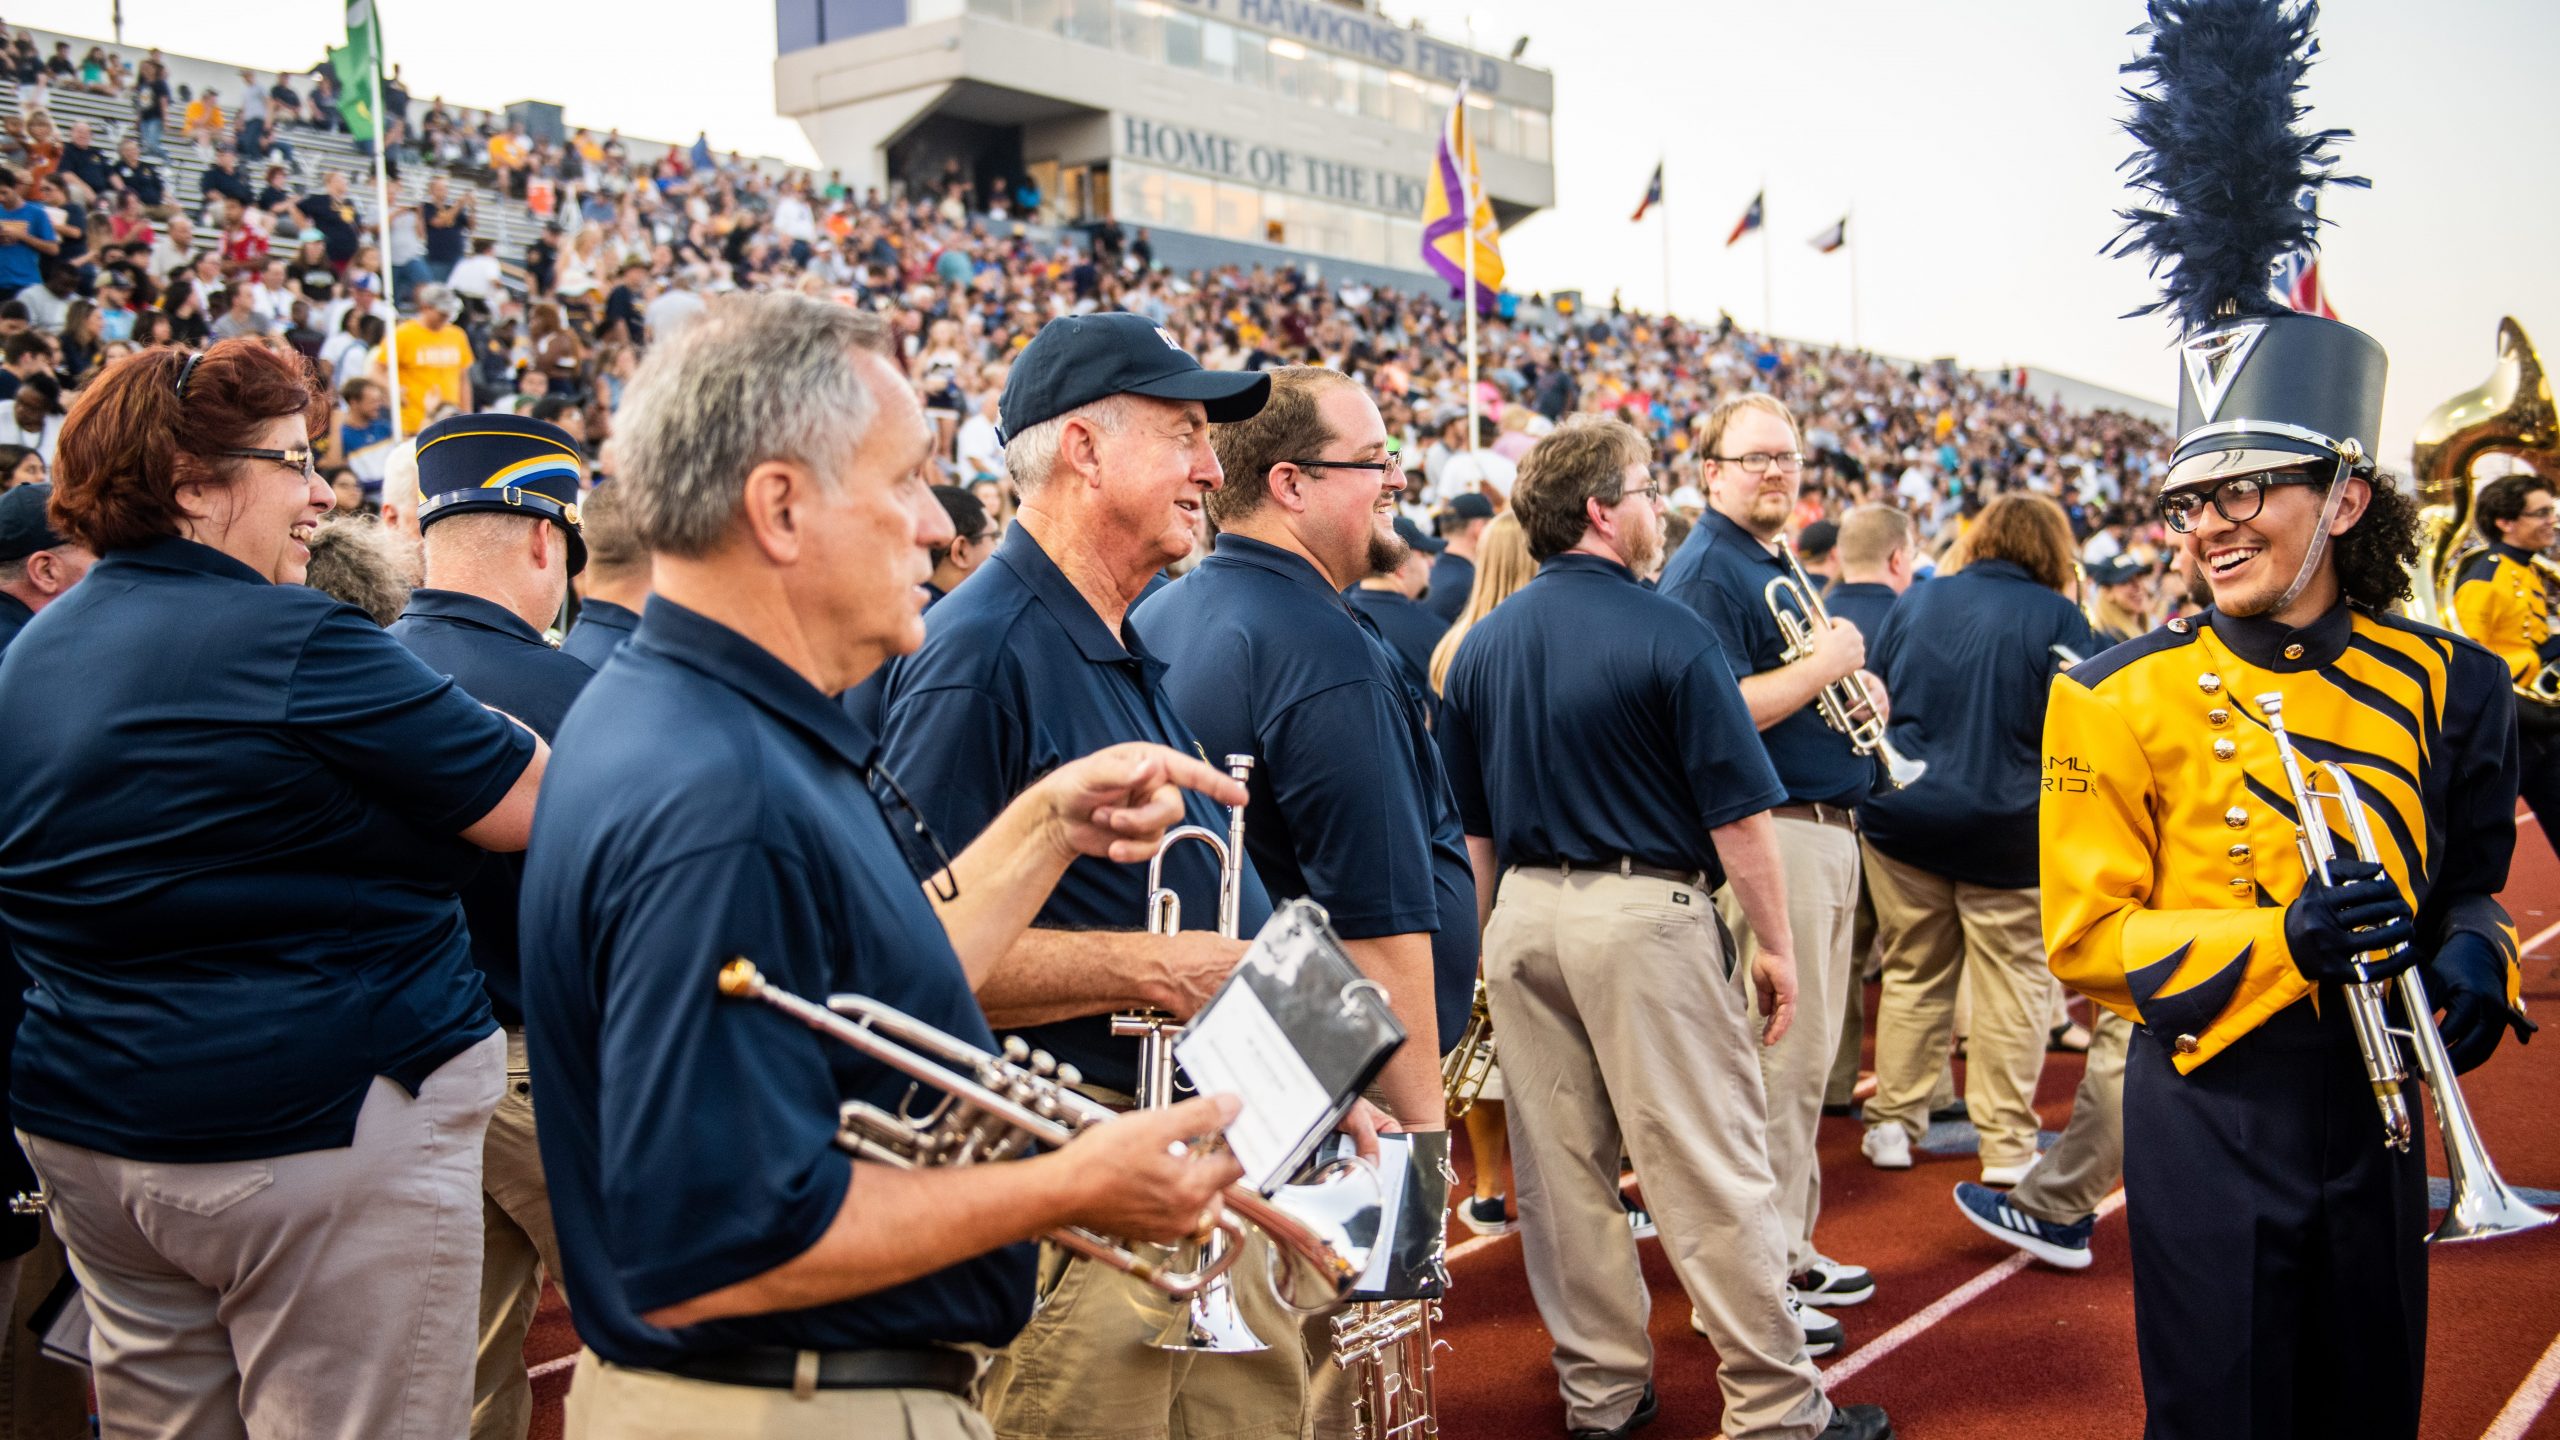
point(303, 460)
point(2238, 499)
point(1651, 490)
point(918, 842)
point(1392, 465)
point(1759, 461)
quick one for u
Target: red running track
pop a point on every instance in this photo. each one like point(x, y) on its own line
point(2009, 1349)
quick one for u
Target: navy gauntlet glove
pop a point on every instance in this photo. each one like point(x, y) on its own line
point(2328, 926)
point(2468, 980)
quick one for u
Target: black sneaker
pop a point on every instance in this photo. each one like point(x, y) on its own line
point(1487, 1216)
point(2064, 1246)
point(1639, 1219)
point(1955, 1109)
point(1648, 1409)
point(1858, 1422)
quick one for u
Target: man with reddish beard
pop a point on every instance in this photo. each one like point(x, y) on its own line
point(1106, 426)
point(1753, 463)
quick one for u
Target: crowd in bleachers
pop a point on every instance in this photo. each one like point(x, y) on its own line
point(189, 214)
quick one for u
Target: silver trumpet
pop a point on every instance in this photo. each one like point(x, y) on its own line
point(997, 1107)
point(2482, 1205)
point(1793, 602)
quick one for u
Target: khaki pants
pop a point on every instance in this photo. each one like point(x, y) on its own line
point(1841, 1088)
point(517, 1250)
point(1624, 1029)
point(325, 1295)
point(1822, 911)
point(1087, 1367)
point(608, 1402)
point(2087, 1159)
point(1936, 932)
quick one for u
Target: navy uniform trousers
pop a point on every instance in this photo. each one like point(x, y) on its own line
point(2279, 1251)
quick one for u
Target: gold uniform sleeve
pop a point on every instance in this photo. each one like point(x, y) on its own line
point(2490, 613)
point(2117, 927)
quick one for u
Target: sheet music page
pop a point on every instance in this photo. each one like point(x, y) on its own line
point(1235, 1047)
point(1395, 1162)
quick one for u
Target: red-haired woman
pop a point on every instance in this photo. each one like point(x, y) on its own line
point(257, 1062)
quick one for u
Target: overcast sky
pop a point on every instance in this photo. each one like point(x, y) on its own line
point(1973, 141)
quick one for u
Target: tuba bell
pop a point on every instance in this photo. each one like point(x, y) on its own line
point(2510, 413)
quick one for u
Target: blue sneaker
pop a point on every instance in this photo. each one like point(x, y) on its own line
point(2065, 1246)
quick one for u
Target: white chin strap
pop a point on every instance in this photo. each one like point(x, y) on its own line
point(2319, 545)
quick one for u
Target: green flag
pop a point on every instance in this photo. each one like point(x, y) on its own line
point(356, 65)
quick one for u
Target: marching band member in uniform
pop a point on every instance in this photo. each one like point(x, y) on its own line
point(1603, 764)
point(498, 521)
point(1951, 858)
point(2279, 1251)
point(733, 1273)
point(2503, 602)
point(257, 1062)
point(1106, 425)
point(1754, 466)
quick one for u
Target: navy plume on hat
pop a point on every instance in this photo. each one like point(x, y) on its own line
point(2233, 172)
point(504, 463)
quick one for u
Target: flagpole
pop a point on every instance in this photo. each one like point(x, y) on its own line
point(1467, 194)
point(382, 224)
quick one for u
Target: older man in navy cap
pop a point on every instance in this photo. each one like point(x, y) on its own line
point(37, 566)
point(1392, 597)
point(1106, 423)
point(1461, 524)
point(498, 518)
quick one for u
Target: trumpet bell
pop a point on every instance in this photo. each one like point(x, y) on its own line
point(1210, 1325)
point(1900, 768)
point(1330, 1224)
point(2485, 1212)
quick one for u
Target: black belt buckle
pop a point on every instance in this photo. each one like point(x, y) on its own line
point(771, 1367)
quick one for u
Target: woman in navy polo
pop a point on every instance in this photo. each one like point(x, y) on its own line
point(256, 1061)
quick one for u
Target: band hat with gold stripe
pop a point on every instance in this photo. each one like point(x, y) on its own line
point(502, 463)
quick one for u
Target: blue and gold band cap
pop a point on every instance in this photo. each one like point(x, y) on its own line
point(504, 463)
point(2258, 392)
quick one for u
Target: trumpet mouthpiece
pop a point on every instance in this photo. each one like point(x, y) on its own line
point(2273, 703)
point(740, 979)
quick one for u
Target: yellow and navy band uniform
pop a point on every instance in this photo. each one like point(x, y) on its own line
point(2276, 1246)
point(502, 463)
point(2502, 601)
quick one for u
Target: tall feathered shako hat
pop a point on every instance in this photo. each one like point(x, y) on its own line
point(2233, 174)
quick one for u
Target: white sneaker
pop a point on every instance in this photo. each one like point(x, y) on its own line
point(1887, 1147)
point(2009, 1174)
point(1822, 1334)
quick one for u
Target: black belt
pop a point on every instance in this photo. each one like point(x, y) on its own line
point(1818, 813)
point(1626, 865)
point(774, 1368)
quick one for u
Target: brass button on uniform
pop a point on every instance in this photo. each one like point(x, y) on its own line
point(2293, 652)
point(2209, 683)
point(2217, 716)
point(2187, 1045)
point(2243, 882)
point(2177, 627)
point(2240, 851)
point(2225, 747)
point(2235, 817)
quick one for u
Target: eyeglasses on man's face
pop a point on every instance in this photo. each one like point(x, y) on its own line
point(1761, 462)
point(1649, 492)
point(1392, 465)
point(2238, 499)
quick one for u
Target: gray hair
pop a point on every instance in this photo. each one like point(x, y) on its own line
point(1031, 455)
point(354, 558)
point(756, 378)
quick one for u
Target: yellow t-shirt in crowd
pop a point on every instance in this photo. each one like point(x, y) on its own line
point(433, 364)
point(505, 152)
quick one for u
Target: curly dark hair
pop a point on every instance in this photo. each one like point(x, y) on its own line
point(2374, 556)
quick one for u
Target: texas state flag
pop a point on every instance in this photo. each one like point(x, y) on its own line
point(1652, 192)
point(1749, 222)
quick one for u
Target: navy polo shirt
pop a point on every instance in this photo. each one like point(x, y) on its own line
point(602, 627)
point(229, 859)
point(14, 616)
point(707, 802)
point(1863, 603)
point(1722, 572)
point(1350, 806)
point(1588, 719)
point(1411, 631)
point(1968, 659)
point(1453, 578)
point(1016, 677)
point(503, 662)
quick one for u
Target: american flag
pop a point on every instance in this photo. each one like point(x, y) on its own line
point(2297, 278)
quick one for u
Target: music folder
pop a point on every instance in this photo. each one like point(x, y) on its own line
point(1297, 1032)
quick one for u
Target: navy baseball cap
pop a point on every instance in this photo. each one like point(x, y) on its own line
point(1079, 359)
point(1468, 505)
point(24, 530)
point(505, 463)
point(1412, 535)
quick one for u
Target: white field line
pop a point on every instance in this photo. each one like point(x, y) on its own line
point(2536, 942)
point(2525, 1406)
point(552, 1367)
